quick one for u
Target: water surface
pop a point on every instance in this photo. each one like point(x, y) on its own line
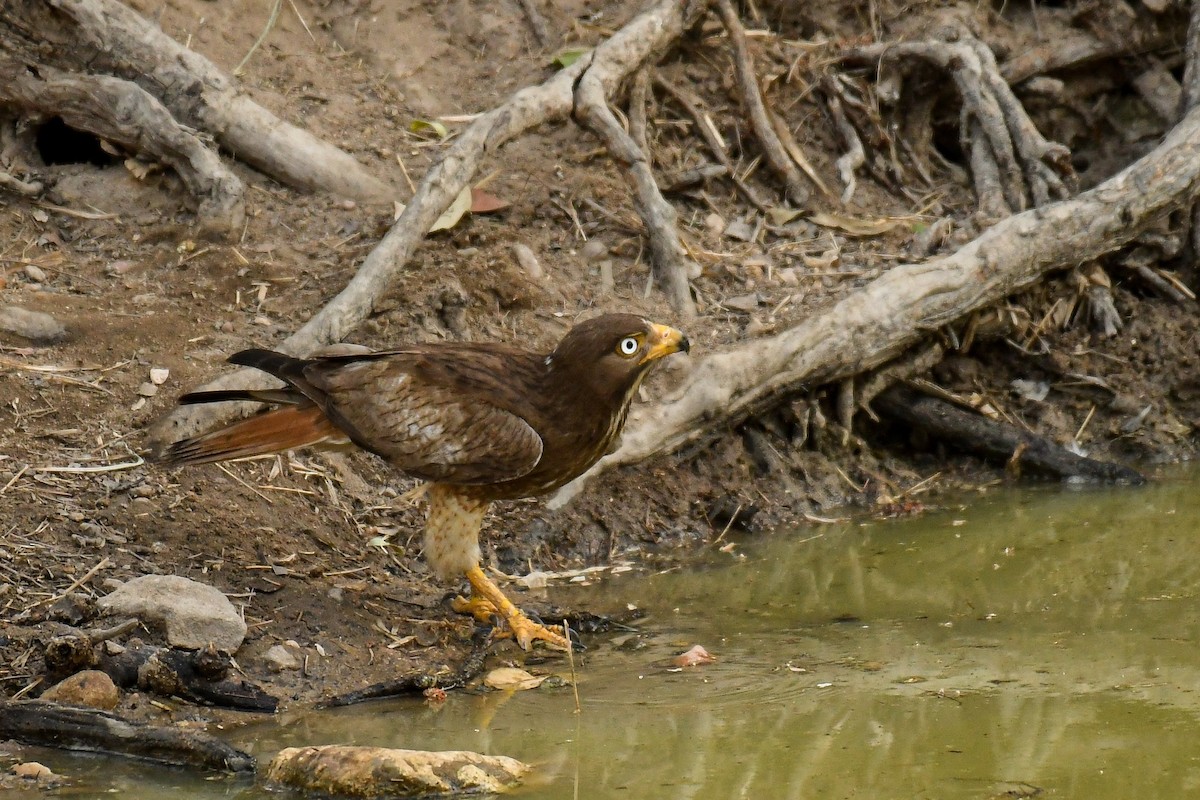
point(1026, 640)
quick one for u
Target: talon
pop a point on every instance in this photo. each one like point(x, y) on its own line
point(487, 601)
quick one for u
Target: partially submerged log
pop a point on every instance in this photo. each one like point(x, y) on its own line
point(68, 728)
point(989, 438)
point(877, 323)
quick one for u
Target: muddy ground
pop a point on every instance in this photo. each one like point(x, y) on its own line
point(323, 550)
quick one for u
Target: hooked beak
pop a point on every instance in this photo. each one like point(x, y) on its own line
point(664, 340)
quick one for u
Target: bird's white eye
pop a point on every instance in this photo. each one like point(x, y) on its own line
point(628, 346)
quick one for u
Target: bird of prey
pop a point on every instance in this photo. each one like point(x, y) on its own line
point(477, 421)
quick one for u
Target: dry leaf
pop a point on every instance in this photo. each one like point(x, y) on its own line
point(428, 129)
point(782, 216)
point(451, 216)
point(512, 678)
point(853, 225)
point(696, 657)
point(485, 203)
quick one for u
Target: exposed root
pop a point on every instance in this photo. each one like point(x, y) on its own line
point(760, 116)
point(1029, 169)
point(122, 112)
point(203, 97)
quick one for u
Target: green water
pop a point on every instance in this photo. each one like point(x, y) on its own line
point(1029, 639)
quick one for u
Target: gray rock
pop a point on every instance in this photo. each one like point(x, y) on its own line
point(32, 325)
point(192, 613)
point(347, 771)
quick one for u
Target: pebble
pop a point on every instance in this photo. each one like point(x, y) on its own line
point(528, 261)
point(279, 658)
point(147, 389)
point(32, 325)
point(90, 688)
point(32, 770)
point(193, 614)
point(35, 274)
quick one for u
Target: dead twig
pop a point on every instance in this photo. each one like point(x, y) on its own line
point(709, 136)
point(854, 157)
point(1031, 169)
point(536, 21)
point(760, 116)
point(667, 259)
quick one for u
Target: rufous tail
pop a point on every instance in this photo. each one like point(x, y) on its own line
point(274, 431)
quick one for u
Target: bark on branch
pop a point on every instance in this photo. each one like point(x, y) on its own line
point(896, 310)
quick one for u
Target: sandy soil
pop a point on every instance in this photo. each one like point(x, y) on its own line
point(321, 550)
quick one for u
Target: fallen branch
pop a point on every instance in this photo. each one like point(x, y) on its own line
point(894, 312)
point(44, 724)
point(987, 437)
point(201, 95)
point(611, 62)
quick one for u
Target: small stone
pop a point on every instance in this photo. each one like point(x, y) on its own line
point(32, 770)
point(89, 688)
point(159, 375)
point(32, 325)
point(35, 274)
point(280, 658)
point(147, 389)
point(118, 268)
point(193, 614)
point(528, 261)
point(715, 223)
point(740, 230)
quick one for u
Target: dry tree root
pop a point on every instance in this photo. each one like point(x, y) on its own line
point(765, 126)
point(667, 259)
point(108, 37)
point(1013, 165)
point(122, 112)
point(641, 40)
point(897, 310)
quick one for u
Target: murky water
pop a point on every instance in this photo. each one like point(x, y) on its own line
point(1038, 639)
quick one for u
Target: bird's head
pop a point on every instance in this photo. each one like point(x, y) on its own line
point(611, 353)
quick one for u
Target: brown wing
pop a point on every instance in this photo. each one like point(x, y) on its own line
point(440, 416)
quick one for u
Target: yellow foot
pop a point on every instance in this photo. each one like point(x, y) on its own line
point(487, 602)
